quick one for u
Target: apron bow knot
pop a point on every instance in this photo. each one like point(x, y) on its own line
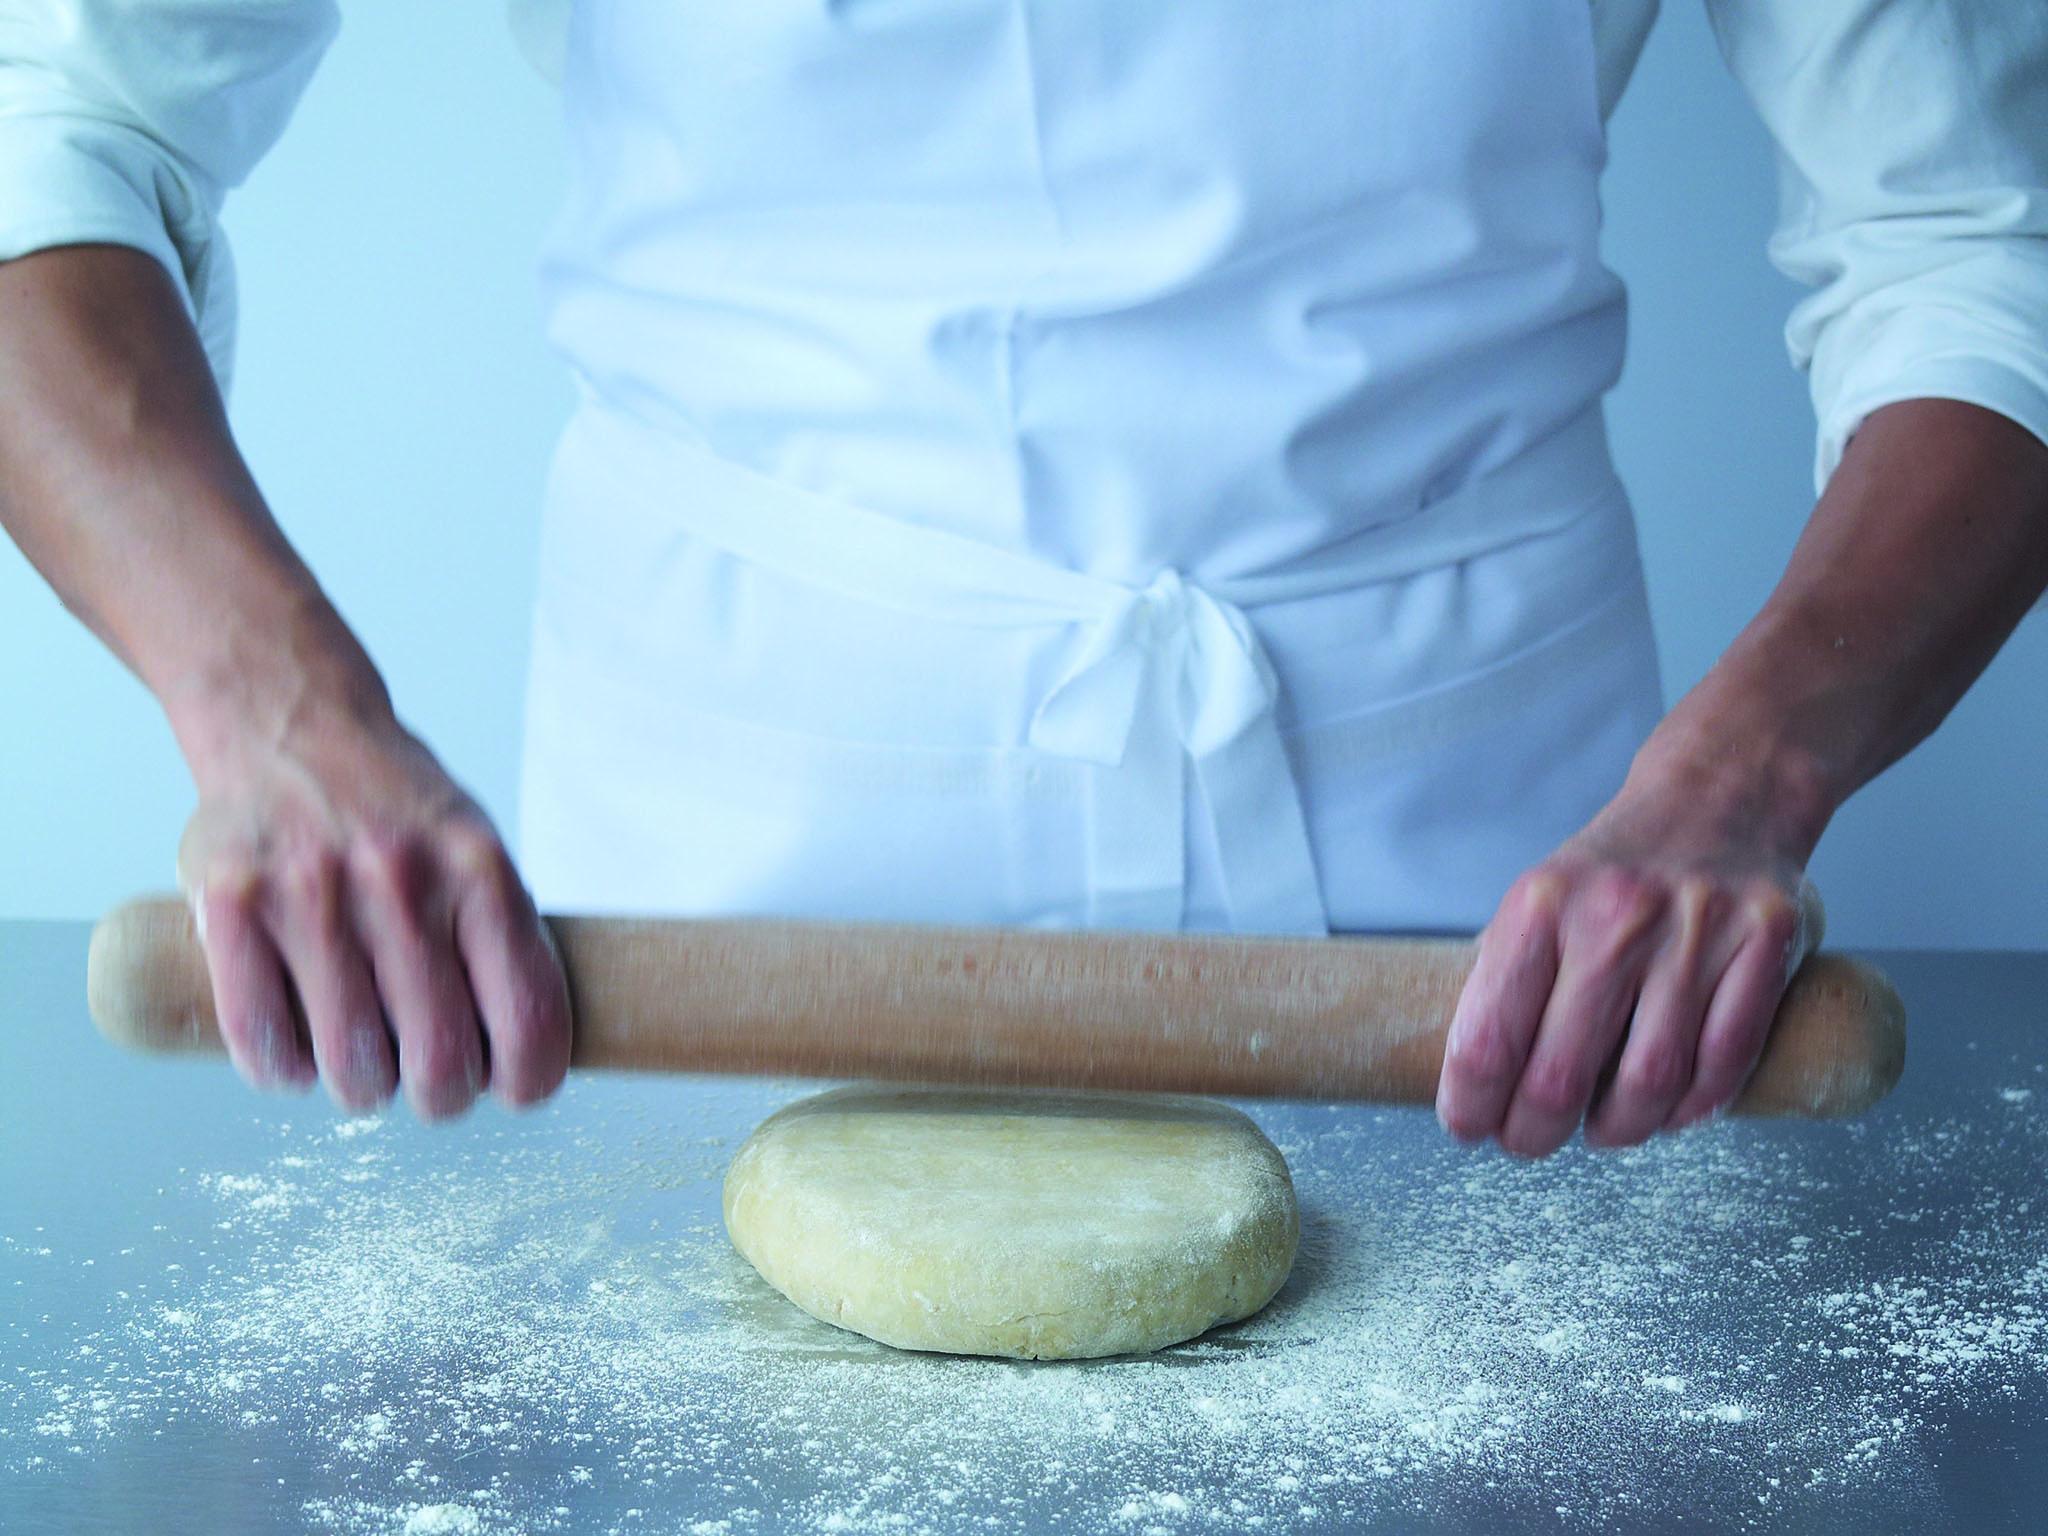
point(1170, 634)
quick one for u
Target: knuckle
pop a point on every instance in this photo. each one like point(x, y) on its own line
point(1657, 1073)
point(364, 1078)
point(232, 890)
point(1622, 902)
point(239, 1027)
point(517, 1044)
point(388, 866)
point(471, 851)
point(1773, 915)
point(1724, 1059)
point(1554, 1088)
point(268, 1051)
point(439, 1061)
point(530, 1054)
point(442, 1072)
point(307, 875)
point(1537, 896)
point(1480, 1053)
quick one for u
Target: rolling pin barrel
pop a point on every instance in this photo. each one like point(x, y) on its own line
point(1320, 1019)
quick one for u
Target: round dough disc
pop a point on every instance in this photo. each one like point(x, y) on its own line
point(1041, 1226)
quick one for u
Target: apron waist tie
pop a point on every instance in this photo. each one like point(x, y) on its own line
point(1169, 677)
point(1173, 668)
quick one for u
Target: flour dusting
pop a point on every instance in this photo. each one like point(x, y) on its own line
point(547, 1333)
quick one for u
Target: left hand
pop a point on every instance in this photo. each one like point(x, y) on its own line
point(1628, 981)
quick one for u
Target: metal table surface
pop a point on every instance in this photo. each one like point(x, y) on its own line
point(229, 1313)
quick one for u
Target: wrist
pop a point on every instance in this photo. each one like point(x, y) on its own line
point(274, 676)
point(1775, 796)
point(1750, 748)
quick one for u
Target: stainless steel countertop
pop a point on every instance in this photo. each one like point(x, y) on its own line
point(232, 1313)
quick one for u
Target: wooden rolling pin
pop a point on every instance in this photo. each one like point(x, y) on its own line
point(1344, 1018)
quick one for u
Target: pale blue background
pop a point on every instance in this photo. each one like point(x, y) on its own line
point(398, 404)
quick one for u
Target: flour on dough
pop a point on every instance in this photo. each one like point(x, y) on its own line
point(1032, 1225)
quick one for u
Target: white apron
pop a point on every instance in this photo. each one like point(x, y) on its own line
point(1064, 463)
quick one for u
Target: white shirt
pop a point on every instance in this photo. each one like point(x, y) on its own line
point(1913, 165)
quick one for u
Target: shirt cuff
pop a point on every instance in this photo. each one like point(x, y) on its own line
point(75, 181)
point(1930, 352)
point(2013, 393)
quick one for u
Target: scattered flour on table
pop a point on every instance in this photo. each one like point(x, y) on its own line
point(443, 1520)
point(525, 1340)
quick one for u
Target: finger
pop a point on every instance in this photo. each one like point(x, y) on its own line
point(1499, 1009)
point(1656, 1062)
point(251, 1001)
point(513, 973)
point(1813, 916)
point(1607, 942)
point(351, 1043)
point(1739, 1017)
point(409, 932)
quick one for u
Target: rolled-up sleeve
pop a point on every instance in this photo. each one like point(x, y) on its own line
point(1913, 173)
point(127, 122)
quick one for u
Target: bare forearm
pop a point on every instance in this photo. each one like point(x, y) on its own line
point(121, 483)
point(361, 919)
point(1931, 542)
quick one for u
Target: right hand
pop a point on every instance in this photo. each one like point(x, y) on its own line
point(364, 924)
point(361, 919)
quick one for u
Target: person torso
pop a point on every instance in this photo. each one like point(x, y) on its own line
point(1230, 295)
